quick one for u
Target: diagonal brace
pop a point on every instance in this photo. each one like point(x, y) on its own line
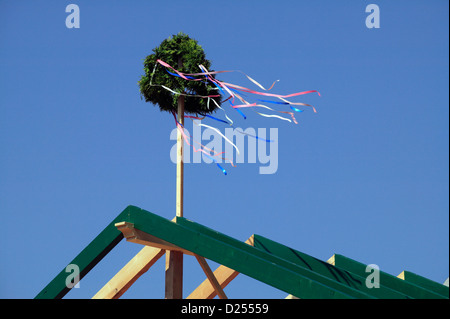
point(210, 275)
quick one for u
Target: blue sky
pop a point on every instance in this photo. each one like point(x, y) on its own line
point(366, 176)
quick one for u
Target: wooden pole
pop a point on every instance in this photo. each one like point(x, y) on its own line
point(180, 143)
point(174, 259)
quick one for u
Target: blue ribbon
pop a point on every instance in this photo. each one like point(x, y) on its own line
point(274, 102)
point(215, 118)
point(215, 161)
point(239, 111)
point(283, 103)
point(177, 75)
point(296, 109)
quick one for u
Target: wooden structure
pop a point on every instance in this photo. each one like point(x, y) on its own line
point(287, 269)
point(174, 258)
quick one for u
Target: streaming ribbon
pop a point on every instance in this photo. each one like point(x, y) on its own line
point(234, 92)
point(202, 148)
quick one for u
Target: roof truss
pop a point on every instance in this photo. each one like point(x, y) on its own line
point(270, 262)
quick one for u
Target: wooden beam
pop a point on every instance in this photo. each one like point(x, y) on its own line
point(212, 279)
point(387, 281)
point(424, 283)
point(134, 269)
point(86, 259)
point(174, 275)
point(354, 278)
point(174, 259)
point(180, 159)
point(332, 260)
point(137, 236)
point(205, 290)
point(153, 250)
point(224, 276)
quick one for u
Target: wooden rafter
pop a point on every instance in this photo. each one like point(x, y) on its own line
point(134, 269)
point(205, 290)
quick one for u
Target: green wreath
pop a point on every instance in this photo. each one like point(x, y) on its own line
point(192, 55)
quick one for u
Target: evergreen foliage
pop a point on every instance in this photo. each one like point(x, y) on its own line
point(192, 55)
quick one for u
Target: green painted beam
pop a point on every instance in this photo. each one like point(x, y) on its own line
point(337, 274)
point(229, 252)
point(426, 283)
point(248, 260)
point(387, 280)
point(272, 259)
point(233, 254)
point(86, 259)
